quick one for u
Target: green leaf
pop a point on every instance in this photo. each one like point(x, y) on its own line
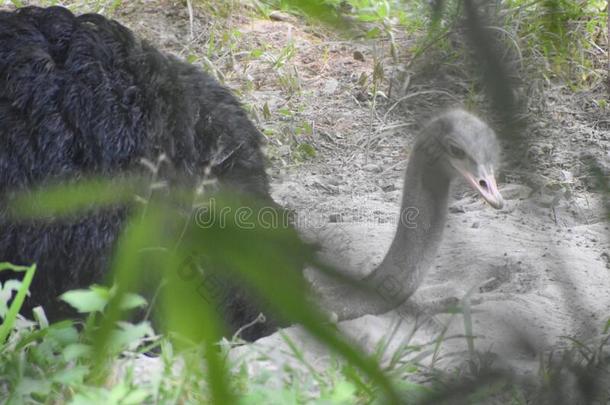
point(285, 112)
point(132, 301)
point(28, 386)
point(129, 335)
point(135, 397)
point(6, 293)
point(257, 53)
point(343, 392)
point(266, 111)
point(86, 301)
point(319, 10)
point(63, 333)
point(77, 197)
point(76, 351)
point(11, 314)
point(70, 376)
point(306, 150)
point(373, 33)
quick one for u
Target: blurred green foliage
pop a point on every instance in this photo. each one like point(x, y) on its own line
point(155, 245)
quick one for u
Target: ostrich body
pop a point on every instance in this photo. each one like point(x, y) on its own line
point(455, 144)
point(82, 95)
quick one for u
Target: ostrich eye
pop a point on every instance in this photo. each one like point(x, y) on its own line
point(456, 152)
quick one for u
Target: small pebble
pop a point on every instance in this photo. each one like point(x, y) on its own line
point(358, 56)
point(279, 16)
point(372, 168)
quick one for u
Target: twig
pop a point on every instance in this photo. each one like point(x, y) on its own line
point(608, 44)
point(189, 6)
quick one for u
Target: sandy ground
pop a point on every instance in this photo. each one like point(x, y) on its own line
point(532, 283)
point(538, 270)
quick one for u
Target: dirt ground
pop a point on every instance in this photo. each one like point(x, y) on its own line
point(538, 270)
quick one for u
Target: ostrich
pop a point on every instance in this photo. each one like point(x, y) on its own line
point(454, 144)
point(81, 95)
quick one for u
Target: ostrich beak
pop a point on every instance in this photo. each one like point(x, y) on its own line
point(485, 184)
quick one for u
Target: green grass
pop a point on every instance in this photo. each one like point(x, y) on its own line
point(567, 34)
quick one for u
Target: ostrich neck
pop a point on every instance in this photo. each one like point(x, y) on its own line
point(422, 219)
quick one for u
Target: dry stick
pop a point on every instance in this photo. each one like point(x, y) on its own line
point(372, 114)
point(189, 6)
point(608, 43)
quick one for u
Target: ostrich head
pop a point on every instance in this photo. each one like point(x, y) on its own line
point(464, 146)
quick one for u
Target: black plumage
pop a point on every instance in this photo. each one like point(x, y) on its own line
point(82, 95)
